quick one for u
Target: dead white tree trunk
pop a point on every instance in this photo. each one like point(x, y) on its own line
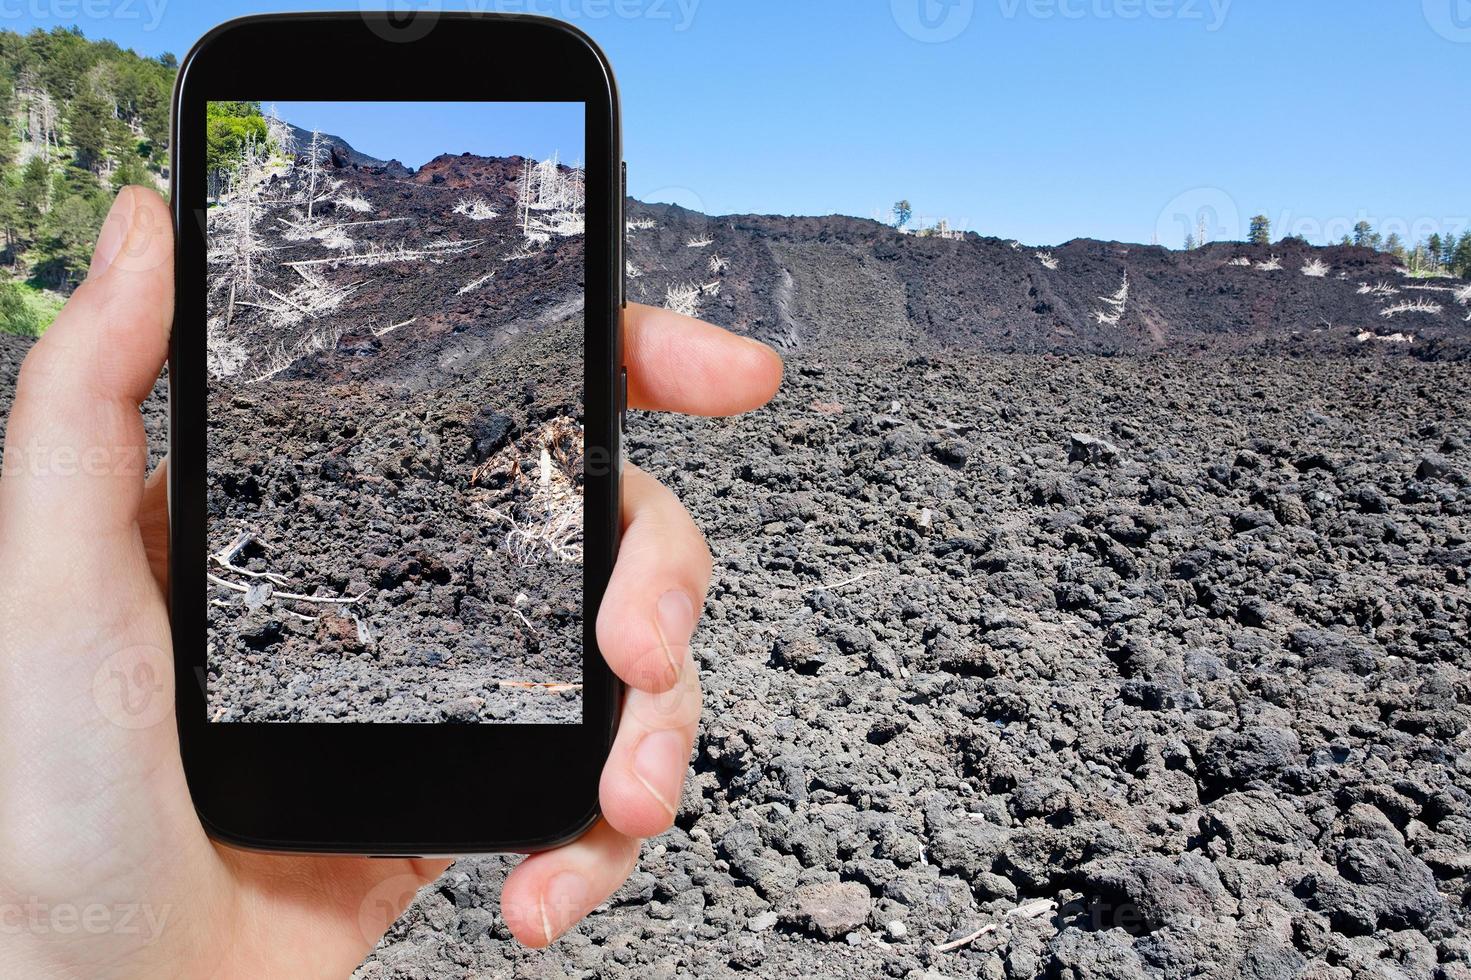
point(313, 168)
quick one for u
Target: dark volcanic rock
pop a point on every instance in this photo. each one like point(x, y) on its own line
point(961, 689)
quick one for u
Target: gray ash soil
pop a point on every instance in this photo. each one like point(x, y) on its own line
point(375, 467)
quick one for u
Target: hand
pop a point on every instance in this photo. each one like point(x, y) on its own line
point(104, 868)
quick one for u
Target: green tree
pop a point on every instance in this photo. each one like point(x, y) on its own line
point(7, 110)
point(130, 170)
point(1461, 259)
point(1261, 231)
point(228, 127)
point(1365, 236)
point(1433, 249)
point(88, 117)
point(66, 239)
point(16, 315)
point(902, 213)
point(33, 197)
point(1395, 245)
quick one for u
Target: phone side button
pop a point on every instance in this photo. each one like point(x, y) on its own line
point(623, 210)
point(623, 404)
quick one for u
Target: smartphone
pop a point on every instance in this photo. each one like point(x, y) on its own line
point(396, 394)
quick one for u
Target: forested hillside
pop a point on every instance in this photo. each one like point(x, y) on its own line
point(78, 119)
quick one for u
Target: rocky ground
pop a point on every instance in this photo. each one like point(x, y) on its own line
point(1179, 645)
point(395, 432)
point(1059, 649)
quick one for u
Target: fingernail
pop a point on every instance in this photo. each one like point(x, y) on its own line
point(675, 619)
point(562, 903)
point(114, 233)
point(660, 761)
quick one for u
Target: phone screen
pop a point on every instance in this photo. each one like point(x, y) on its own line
point(395, 412)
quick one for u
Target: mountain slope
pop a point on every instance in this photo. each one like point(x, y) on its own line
point(809, 281)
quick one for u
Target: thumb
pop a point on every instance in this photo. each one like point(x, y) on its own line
point(75, 448)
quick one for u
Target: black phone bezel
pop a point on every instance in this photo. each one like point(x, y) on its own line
point(411, 789)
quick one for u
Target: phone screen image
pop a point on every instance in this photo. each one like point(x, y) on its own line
point(396, 397)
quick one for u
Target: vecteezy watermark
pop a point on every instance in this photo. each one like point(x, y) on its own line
point(37, 918)
point(680, 14)
point(682, 197)
point(1211, 13)
point(71, 11)
point(399, 21)
point(1334, 229)
point(1451, 19)
point(410, 20)
point(384, 903)
point(134, 687)
point(1201, 214)
point(40, 460)
point(1210, 214)
point(933, 21)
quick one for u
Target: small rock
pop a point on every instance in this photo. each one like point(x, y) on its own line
point(489, 431)
point(1434, 467)
point(1254, 613)
point(832, 909)
point(762, 922)
point(1091, 450)
point(259, 595)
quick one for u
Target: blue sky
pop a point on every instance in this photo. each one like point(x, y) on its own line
point(1041, 120)
point(416, 132)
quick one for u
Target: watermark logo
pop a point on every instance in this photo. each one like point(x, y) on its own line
point(679, 14)
point(37, 918)
point(148, 241)
point(45, 461)
point(134, 688)
point(1211, 13)
point(1201, 214)
point(384, 903)
point(150, 12)
point(933, 21)
point(683, 197)
point(401, 23)
point(1451, 19)
point(676, 708)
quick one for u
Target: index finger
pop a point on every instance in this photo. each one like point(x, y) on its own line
point(679, 364)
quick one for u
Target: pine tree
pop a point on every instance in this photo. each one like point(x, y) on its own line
point(33, 196)
point(1365, 236)
point(1433, 250)
point(1190, 242)
point(1395, 245)
point(7, 109)
point(902, 213)
point(67, 235)
point(87, 118)
point(1261, 231)
point(1461, 261)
